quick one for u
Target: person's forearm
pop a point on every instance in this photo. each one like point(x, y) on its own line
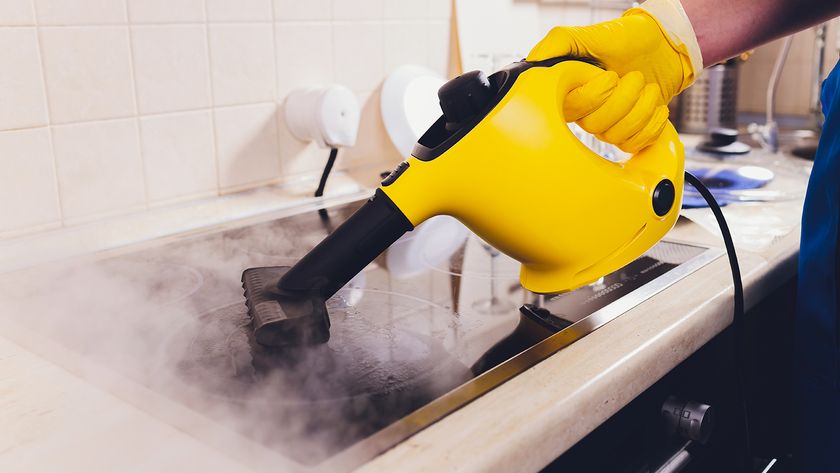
point(725, 28)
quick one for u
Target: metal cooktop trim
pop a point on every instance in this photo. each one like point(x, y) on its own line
point(387, 438)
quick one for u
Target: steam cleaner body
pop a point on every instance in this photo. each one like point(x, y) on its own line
point(503, 161)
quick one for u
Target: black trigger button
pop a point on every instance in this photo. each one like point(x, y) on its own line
point(390, 178)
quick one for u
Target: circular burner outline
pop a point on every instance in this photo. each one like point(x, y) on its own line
point(208, 393)
point(192, 290)
point(503, 274)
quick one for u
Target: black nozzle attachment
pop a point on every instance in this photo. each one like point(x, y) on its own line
point(287, 305)
point(282, 318)
point(346, 251)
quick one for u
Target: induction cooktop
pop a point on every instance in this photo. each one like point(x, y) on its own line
point(426, 328)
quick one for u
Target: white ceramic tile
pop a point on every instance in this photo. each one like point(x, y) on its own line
point(170, 67)
point(239, 10)
point(577, 15)
point(178, 155)
point(165, 11)
point(80, 12)
point(406, 43)
point(438, 45)
point(440, 9)
point(406, 9)
point(358, 55)
point(242, 63)
point(285, 10)
point(551, 16)
point(358, 9)
point(23, 102)
point(28, 195)
point(16, 12)
point(99, 168)
point(303, 66)
point(606, 13)
point(246, 145)
point(88, 73)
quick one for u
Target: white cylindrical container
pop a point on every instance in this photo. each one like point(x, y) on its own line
point(328, 116)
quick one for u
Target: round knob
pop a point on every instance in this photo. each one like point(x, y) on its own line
point(722, 136)
point(690, 420)
point(723, 141)
point(464, 97)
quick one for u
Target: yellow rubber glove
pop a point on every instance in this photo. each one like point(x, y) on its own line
point(654, 51)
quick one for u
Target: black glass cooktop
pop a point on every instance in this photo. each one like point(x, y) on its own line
point(439, 309)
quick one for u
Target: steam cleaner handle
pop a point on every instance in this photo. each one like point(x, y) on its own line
point(346, 251)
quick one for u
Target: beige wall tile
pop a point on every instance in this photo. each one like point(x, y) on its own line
point(298, 67)
point(246, 144)
point(239, 10)
point(88, 73)
point(297, 10)
point(358, 52)
point(440, 8)
point(16, 12)
point(23, 102)
point(555, 15)
point(406, 9)
point(406, 43)
point(165, 11)
point(171, 68)
point(28, 194)
point(242, 63)
point(80, 12)
point(99, 168)
point(358, 9)
point(793, 96)
point(438, 44)
point(178, 155)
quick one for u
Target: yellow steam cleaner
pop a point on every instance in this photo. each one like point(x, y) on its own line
point(502, 160)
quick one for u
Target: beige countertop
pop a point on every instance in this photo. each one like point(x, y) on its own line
point(53, 419)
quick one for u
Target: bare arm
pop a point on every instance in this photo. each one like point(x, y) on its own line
point(726, 28)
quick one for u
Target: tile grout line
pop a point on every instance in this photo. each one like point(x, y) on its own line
point(29, 230)
point(383, 55)
point(136, 101)
point(213, 127)
point(276, 85)
point(300, 21)
point(142, 115)
point(157, 115)
point(47, 102)
point(153, 115)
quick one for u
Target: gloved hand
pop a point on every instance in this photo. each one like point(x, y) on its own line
point(654, 51)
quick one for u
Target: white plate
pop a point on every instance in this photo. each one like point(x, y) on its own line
point(410, 105)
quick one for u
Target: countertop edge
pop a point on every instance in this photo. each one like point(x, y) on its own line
point(484, 435)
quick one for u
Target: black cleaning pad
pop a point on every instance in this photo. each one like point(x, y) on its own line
point(281, 318)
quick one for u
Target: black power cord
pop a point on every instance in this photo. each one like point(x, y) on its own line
point(326, 174)
point(738, 317)
point(319, 192)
